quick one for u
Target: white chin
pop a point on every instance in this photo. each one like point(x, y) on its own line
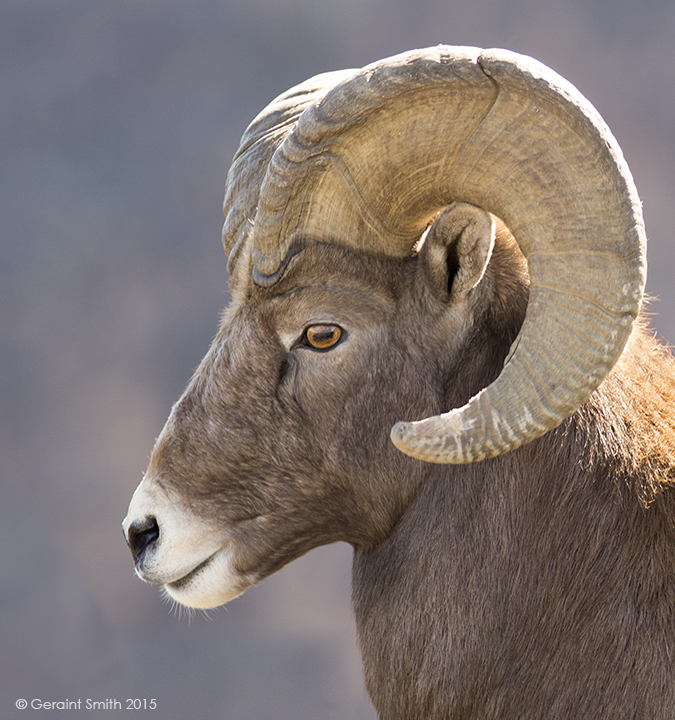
point(210, 584)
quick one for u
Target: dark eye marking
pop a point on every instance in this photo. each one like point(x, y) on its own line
point(322, 337)
point(283, 371)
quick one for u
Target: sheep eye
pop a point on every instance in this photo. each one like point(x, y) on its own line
point(322, 337)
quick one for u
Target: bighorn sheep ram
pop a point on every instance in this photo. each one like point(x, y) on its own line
point(450, 234)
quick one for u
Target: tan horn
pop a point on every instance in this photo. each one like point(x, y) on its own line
point(262, 137)
point(371, 162)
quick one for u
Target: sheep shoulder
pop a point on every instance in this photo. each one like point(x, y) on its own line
point(504, 574)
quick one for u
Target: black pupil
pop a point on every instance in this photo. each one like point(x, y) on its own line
point(323, 336)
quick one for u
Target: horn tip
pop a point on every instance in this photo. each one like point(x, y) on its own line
point(435, 439)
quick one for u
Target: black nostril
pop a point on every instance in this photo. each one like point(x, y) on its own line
point(140, 534)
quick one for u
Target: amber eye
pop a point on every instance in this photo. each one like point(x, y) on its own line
point(322, 337)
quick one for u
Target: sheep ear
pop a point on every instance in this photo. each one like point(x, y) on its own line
point(456, 250)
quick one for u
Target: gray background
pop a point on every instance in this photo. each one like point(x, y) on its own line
point(118, 121)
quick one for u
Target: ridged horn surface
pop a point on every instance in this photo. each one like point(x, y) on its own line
point(262, 137)
point(376, 157)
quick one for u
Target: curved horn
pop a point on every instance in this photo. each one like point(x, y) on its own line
point(374, 160)
point(262, 137)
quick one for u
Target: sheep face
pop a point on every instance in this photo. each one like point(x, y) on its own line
point(277, 445)
point(280, 442)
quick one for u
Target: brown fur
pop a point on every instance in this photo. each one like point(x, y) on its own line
point(538, 584)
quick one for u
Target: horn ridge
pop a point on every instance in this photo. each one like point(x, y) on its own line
point(411, 134)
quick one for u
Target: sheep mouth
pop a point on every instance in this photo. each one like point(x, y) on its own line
point(186, 579)
point(212, 582)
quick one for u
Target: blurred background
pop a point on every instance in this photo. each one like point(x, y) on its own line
point(118, 122)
